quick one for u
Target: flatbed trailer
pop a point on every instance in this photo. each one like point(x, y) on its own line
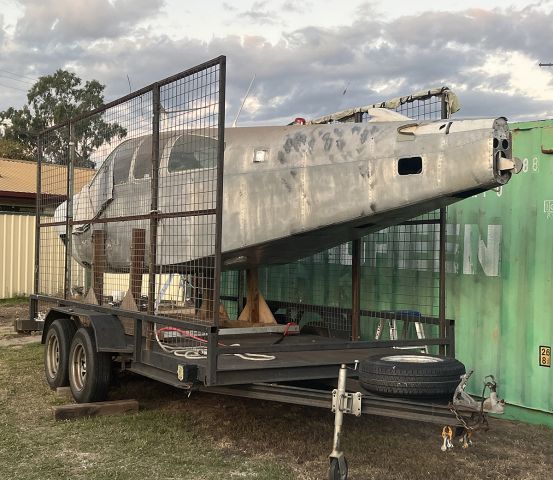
point(296, 361)
point(238, 357)
point(107, 262)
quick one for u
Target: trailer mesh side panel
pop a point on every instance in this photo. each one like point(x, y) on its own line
point(399, 281)
point(431, 108)
point(129, 209)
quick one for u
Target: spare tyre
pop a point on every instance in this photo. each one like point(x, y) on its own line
point(411, 375)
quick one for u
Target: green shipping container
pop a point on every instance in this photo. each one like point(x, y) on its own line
point(499, 282)
point(500, 279)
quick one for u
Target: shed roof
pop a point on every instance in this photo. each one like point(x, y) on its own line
point(18, 178)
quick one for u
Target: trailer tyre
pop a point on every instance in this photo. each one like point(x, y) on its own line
point(89, 370)
point(56, 352)
point(411, 375)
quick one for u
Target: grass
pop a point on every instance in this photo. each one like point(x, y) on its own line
point(214, 437)
point(155, 443)
point(17, 300)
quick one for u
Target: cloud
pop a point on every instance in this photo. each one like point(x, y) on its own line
point(229, 7)
point(488, 30)
point(45, 23)
point(259, 13)
point(293, 6)
point(488, 56)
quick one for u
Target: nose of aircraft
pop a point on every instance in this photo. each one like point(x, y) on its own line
point(504, 162)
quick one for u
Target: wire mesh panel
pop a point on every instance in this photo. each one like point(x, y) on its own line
point(51, 197)
point(134, 194)
point(430, 108)
point(400, 281)
point(399, 277)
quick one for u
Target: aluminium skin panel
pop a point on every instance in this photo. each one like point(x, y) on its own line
point(500, 279)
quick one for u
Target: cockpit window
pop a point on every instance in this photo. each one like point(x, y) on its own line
point(143, 161)
point(101, 187)
point(192, 152)
point(123, 159)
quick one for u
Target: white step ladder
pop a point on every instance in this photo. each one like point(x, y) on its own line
point(419, 329)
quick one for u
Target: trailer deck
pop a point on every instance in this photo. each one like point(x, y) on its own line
point(311, 357)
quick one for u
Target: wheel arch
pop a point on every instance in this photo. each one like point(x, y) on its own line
point(109, 334)
point(57, 314)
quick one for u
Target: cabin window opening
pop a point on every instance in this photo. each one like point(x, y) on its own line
point(143, 161)
point(409, 166)
point(123, 159)
point(192, 152)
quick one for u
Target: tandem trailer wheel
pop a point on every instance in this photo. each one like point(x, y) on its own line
point(56, 352)
point(89, 370)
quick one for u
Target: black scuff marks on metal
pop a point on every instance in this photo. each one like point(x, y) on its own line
point(295, 142)
point(328, 141)
point(299, 140)
point(286, 184)
point(288, 145)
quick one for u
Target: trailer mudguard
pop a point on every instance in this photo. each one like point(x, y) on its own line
point(108, 331)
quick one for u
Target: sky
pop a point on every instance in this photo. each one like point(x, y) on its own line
point(304, 54)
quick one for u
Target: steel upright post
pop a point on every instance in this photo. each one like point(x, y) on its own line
point(214, 335)
point(154, 205)
point(34, 303)
point(356, 277)
point(356, 289)
point(69, 212)
point(441, 261)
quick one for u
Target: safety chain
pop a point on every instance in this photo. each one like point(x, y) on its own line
point(480, 422)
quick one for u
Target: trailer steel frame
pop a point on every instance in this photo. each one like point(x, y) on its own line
point(221, 368)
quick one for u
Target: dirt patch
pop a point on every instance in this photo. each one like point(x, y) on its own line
point(9, 313)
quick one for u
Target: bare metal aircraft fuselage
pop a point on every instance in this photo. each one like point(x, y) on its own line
point(289, 191)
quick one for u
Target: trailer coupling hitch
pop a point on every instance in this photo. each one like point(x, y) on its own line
point(491, 404)
point(462, 403)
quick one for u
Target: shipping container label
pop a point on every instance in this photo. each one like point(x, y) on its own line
point(545, 356)
point(548, 208)
point(470, 250)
